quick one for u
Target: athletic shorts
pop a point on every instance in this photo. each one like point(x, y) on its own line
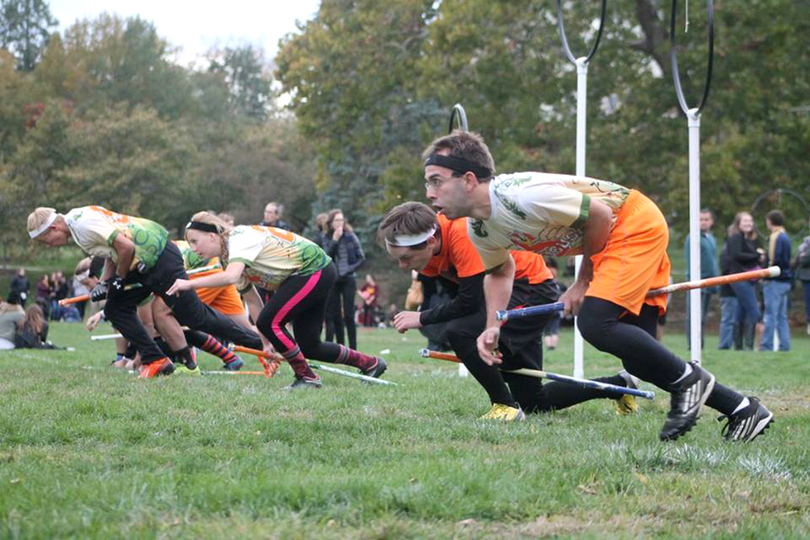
point(225, 299)
point(635, 258)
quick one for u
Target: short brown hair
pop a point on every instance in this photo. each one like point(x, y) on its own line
point(776, 218)
point(407, 218)
point(465, 145)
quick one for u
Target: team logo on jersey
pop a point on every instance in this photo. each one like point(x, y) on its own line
point(478, 228)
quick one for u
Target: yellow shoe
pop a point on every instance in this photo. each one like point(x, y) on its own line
point(627, 403)
point(499, 411)
point(183, 371)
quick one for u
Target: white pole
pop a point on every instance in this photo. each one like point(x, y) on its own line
point(695, 303)
point(582, 98)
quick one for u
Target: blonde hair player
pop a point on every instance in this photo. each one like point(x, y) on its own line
point(301, 275)
point(138, 251)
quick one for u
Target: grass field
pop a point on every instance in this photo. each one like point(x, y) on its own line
point(90, 452)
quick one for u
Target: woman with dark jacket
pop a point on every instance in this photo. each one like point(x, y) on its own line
point(33, 330)
point(745, 254)
point(343, 246)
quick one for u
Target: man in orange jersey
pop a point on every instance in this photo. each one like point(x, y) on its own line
point(623, 238)
point(435, 246)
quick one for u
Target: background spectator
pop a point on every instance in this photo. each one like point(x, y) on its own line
point(227, 218)
point(775, 291)
point(708, 269)
point(321, 228)
point(272, 216)
point(32, 330)
point(745, 254)
point(802, 266)
point(44, 294)
point(370, 293)
point(343, 246)
point(729, 306)
point(20, 285)
point(11, 312)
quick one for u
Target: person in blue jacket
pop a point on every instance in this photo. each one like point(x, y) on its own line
point(775, 291)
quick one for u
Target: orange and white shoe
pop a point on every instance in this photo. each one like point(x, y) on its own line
point(161, 366)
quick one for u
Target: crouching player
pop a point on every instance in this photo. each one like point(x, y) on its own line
point(300, 273)
point(623, 238)
point(435, 246)
point(139, 252)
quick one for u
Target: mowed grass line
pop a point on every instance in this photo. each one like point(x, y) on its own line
point(91, 452)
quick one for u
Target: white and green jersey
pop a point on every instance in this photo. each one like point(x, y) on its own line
point(94, 228)
point(272, 255)
point(538, 212)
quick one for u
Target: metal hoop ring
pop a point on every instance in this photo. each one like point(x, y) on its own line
point(779, 192)
point(561, 27)
point(458, 111)
point(674, 58)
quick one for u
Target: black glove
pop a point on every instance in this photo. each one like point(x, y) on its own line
point(99, 292)
point(115, 287)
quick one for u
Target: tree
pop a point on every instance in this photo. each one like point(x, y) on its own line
point(356, 62)
point(15, 90)
point(24, 29)
point(351, 78)
point(111, 60)
point(243, 72)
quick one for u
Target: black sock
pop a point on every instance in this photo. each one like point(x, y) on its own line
point(184, 355)
point(165, 348)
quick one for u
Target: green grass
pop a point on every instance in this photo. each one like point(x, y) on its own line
point(91, 452)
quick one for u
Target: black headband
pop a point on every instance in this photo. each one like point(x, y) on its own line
point(459, 165)
point(200, 226)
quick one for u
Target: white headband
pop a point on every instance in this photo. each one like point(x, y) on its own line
point(44, 227)
point(408, 240)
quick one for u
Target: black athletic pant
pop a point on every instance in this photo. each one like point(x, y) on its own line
point(340, 312)
point(610, 328)
point(122, 309)
point(302, 301)
point(522, 347)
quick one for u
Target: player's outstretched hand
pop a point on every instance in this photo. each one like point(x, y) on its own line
point(405, 320)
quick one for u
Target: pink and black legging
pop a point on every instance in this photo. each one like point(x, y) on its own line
point(302, 301)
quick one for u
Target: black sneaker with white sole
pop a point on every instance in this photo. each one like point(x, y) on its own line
point(686, 399)
point(304, 382)
point(746, 424)
point(378, 369)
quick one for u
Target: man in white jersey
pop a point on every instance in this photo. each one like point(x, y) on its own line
point(623, 237)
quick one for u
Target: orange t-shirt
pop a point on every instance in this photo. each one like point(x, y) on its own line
point(458, 257)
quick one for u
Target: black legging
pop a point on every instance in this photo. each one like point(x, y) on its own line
point(340, 312)
point(302, 301)
point(188, 309)
point(521, 346)
point(610, 328)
